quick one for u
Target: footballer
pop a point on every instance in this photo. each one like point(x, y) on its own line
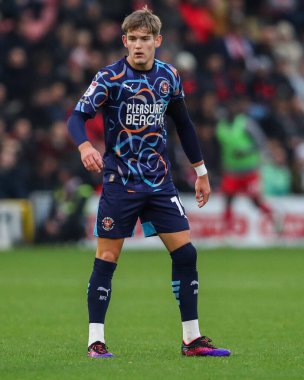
point(135, 94)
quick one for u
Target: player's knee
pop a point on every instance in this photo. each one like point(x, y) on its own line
point(184, 256)
point(107, 255)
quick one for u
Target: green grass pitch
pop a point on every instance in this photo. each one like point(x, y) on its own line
point(250, 301)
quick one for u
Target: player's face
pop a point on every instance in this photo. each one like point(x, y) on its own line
point(141, 46)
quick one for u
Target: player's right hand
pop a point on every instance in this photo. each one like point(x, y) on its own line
point(90, 157)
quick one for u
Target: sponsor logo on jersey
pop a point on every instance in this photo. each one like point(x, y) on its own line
point(145, 114)
point(164, 87)
point(91, 89)
point(107, 223)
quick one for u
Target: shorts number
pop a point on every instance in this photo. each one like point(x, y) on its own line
point(178, 203)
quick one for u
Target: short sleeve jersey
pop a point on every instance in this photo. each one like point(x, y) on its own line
point(134, 104)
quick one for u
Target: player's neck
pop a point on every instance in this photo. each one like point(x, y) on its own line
point(140, 67)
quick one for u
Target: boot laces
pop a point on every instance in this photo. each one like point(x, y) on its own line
point(206, 342)
point(99, 347)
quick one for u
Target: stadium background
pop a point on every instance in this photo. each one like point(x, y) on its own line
point(250, 299)
point(249, 52)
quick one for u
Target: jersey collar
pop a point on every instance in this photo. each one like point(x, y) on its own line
point(139, 71)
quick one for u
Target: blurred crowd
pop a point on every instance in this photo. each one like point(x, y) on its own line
point(249, 52)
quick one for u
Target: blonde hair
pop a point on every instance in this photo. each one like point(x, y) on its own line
point(142, 19)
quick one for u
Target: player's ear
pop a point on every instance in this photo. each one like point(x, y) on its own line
point(158, 40)
point(124, 40)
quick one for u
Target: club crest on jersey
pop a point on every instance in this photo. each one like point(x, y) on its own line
point(107, 223)
point(164, 87)
point(91, 89)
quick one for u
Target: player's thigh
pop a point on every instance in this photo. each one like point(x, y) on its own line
point(164, 214)
point(117, 213)
point(109, 249)
point(175, 240)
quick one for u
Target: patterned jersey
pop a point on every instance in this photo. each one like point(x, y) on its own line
point(133, 104)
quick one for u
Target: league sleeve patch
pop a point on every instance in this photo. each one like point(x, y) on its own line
point(91, 89)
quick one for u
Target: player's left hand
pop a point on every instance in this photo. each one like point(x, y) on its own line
point(202, 190)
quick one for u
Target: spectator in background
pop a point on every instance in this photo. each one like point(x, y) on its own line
point(38, 110)
point(14, 182)
point(5, 111)
point(279, 124)
point(297, 115)
point(261, 87)
point(276, 175)
point(107, 36)
point(287, 47)
point(22, 133)
point(2, 130)
point(80, 54)
point(45, 174)
point(297, 80)
point(210, 146)
point(213, 76)
point(266, 39)
point(56, 143)
point(299, 167)
point(64, 42)
point(174, 23)
point(18, 75)
point(279, 9)
point(186, 64)
point(37, 19)
point(66, 220)
point(236, 45)
point(198, 18)
point(72, 11)
point(56, 108)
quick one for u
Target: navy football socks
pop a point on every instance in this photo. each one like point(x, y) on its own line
point(99, 290)
point(185, 280)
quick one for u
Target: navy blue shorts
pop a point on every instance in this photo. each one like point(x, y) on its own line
point(119, 210)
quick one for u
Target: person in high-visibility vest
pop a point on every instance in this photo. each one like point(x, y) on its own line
point(242, 145)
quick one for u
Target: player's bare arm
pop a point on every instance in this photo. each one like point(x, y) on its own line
point(202, 186)
point(90, 157)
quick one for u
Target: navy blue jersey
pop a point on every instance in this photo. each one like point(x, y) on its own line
point(134, 103)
